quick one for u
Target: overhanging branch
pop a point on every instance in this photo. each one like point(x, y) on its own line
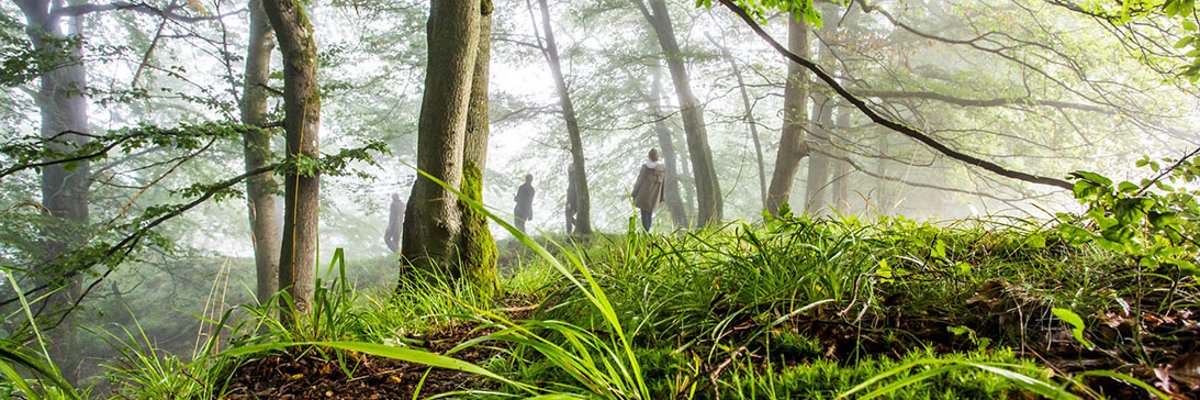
point(885, 122)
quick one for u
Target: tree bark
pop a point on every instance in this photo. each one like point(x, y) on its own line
point(63, 105)
point(818, 164)
point(666, 141)
point(442, 234)
point(479, 264)
point(841, 169)
point(792, 146)
point(302, 108)
point(708, 189)
point(583, 205)
point(261, 188)
point(749, 116)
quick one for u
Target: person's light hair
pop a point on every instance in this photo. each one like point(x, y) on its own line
point(653, 155)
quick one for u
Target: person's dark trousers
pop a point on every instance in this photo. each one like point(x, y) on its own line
point(647, 217)
point(520, 223)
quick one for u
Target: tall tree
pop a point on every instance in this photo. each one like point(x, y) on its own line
point(666, 141)
point(260, 189)
point(583, 205)
point(63, 104)
point(792, 146)
point(817, 184)
point(302, 117)
point(748, 115)
point(479, 266)
point(708, 189)
point(818, 163)
point(841, 169)
point(442, 234)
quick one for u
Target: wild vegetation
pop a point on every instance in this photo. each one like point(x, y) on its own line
point(892, 199)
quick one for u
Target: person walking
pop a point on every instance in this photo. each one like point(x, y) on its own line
point(524, 209)
point(648, 189)
point(395, 224)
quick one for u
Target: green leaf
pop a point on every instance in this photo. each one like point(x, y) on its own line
point(1076, 322)
point(939, 249)
point(1036, 241)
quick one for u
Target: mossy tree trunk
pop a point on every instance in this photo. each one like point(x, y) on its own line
point(441, 233)
point(479, 264)
point(792, 146)
point(302, 108)
point(63, 105)
point(261, 188)
point(708, 189)
point(583, 206)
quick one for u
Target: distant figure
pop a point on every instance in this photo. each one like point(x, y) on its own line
point(648, 190)
point(395, 224)
point(572, 199)
point(524, 209)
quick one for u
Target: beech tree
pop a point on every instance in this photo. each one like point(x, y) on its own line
point(443, 234)
point(583, 208)
point(260, 189)
point(63, 105)
point(708, 189)
point(302, 117)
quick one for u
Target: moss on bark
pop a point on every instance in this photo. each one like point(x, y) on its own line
point(478, 257)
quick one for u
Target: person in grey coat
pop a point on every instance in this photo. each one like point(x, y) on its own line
point(524, 209)
point(648, 190)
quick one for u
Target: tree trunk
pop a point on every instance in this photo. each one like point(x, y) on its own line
point(302, 115)
point(817, 185)
point(666, 141)
point(479, 263)
point(260, 189)
point(442, 234)
point(841, 169)
point(583, 205)
point(63, 106)
point(818, 164)
point(708, 189)
point(748, 115)
point(792, 146)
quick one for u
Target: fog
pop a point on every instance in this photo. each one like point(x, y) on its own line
point(1028, 85)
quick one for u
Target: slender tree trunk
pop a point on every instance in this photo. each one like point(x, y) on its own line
point(441, 234)
point(260, 189)
point(708, 189)
point(883, 187)
point(817, 185)
point(479, 262)
point(583, 206)
point(748, 115)
point(792, 146)
point(818, 164)
point(63, 105)
point(302, 108)
point(666, 141)
point(841, 169)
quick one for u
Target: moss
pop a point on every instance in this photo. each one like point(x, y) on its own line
point(478, 259)
point(486, 8)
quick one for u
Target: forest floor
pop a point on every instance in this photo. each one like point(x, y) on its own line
point(790, 309)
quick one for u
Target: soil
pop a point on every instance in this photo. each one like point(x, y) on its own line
point(313, 375)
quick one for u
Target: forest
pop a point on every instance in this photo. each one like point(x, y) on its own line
point(605, 199)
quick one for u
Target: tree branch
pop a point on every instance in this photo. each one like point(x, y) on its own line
point(887, 123)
